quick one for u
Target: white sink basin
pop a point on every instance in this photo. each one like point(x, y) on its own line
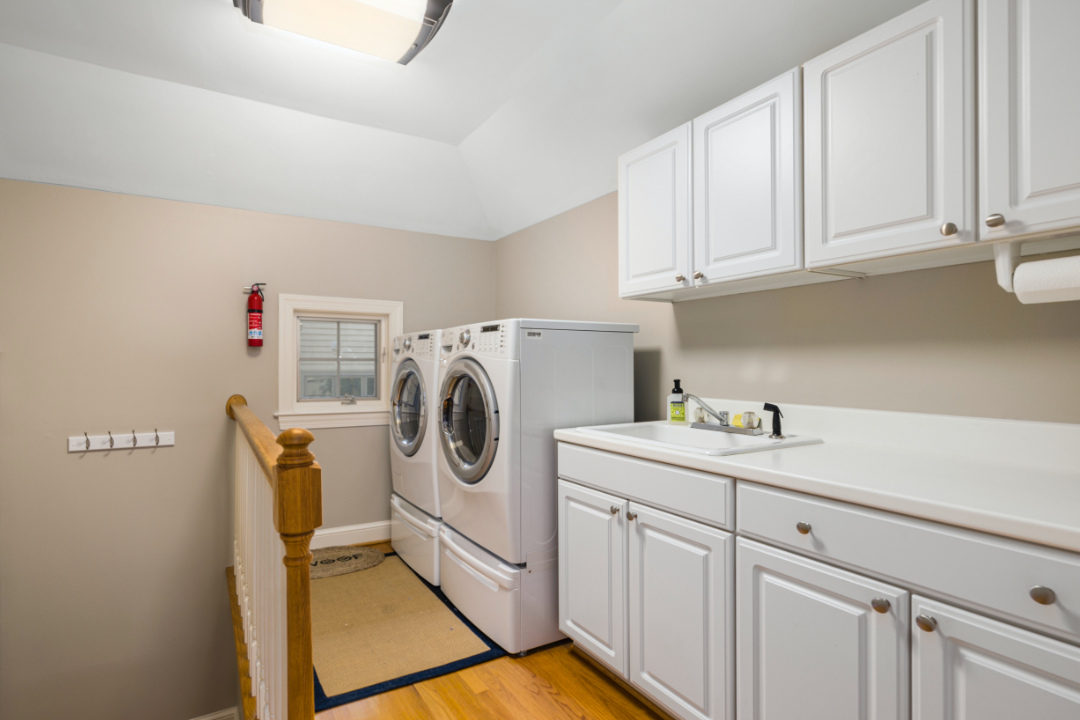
point(688, 439)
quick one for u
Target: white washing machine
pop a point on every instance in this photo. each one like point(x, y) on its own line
point(505, 387)
point(414, 505)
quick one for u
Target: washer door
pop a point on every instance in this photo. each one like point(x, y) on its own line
point(408, 408)
point(470, 420)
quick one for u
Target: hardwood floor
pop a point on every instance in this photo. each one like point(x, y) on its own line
point(551, 683)
point(556, 683)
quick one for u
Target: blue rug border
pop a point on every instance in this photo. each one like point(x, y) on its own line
point(324, 702)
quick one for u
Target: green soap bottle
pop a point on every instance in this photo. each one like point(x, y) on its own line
point(676, 403)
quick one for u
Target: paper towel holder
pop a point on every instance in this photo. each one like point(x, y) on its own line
point(1006, 258)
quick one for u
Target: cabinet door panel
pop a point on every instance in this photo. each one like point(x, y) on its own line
point(592, 580)
point(890, 138)
point(972, 668)
point(747, 184)
point(654, 214)
point(680, 613)
point(810, 644)
point(1029, 114)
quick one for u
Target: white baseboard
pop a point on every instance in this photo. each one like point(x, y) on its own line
point(350, 535)
point(230, 714)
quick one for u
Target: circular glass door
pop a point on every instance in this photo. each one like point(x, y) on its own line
point(408, 413)
point(470, 420)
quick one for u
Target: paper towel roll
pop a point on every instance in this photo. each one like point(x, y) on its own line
point(1044, 281)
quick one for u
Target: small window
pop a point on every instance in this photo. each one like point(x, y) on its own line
point(333, 367)
point(338, 359)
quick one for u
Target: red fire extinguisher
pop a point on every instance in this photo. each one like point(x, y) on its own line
point(254, 315)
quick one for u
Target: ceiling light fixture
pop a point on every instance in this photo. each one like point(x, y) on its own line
point(392, 29)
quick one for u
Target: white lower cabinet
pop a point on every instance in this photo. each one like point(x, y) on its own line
point(647, 593)
point(968, 667)
point(592, 572)
point(713, 625)
point(816, 642)
point(680, 615)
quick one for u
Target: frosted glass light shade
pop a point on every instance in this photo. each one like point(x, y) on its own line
point(384, 28)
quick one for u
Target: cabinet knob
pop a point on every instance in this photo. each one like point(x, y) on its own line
point(949, 229)
point(699, 275)
point(881, 605)
point(631, 515)
point(803, 528)
point(614, 509)
point(679, 278)
point(926, 623)
point(995, 220)
point(1043, 595)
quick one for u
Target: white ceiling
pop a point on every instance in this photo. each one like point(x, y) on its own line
point(459, 80)
point(535, 98)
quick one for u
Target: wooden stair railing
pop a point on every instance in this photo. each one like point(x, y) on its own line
point(277, 506)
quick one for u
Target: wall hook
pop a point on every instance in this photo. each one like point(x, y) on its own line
point(110, 438)
point(87, 440)
point(157, 440)
point(134, 439)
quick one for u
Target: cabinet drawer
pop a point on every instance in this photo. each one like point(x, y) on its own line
point(702, 496)
point(991, 572)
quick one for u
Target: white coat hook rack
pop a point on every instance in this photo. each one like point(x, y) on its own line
point(108, 441)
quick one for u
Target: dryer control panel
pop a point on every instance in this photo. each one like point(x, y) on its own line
point(495, 339)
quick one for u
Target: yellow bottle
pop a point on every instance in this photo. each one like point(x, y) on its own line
point(677, 405)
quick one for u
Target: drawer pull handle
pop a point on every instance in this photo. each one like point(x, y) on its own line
point(630, 515)
point(614, 509)
point(881, 605)
point(1043, 595)
point(995, 220)
point(803, 527)
point(927, 623)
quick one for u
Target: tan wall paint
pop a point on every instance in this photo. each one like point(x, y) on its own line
point(945, 341)
point(126, 312)
point(123, 312)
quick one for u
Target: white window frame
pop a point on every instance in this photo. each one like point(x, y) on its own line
point(314, 414)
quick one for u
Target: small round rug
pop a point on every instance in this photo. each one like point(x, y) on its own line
point(343, 559)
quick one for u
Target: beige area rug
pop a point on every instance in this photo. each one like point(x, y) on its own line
point(384, 628)
point(342, 559)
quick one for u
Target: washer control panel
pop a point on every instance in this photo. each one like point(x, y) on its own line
point(422, 345)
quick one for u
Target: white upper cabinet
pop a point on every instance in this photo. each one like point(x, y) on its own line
point(747, 184)
point(1029, 116)
point(890, 138)
point(654, 215)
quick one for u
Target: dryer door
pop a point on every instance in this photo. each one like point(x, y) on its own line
point(408, 413)
point(470, 420)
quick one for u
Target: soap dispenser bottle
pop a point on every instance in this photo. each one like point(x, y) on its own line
point(676, 405)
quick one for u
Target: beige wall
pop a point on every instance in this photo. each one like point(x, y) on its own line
point(126, 312)
point(123, 312)
point(945, 341)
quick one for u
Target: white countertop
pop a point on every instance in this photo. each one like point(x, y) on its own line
point(1029, 491)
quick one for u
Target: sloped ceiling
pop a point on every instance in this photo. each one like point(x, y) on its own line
point(517, 110)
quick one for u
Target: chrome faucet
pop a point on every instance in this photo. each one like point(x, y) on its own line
point(721, 417)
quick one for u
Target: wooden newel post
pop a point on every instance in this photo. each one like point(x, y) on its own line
point(297, 512)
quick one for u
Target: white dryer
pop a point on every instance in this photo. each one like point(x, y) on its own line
point(505, 387)
point(414, 505)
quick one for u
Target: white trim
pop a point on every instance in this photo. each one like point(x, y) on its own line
point(328, 414)
point(351, 534)
point(314, 421)
point(230, 714)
